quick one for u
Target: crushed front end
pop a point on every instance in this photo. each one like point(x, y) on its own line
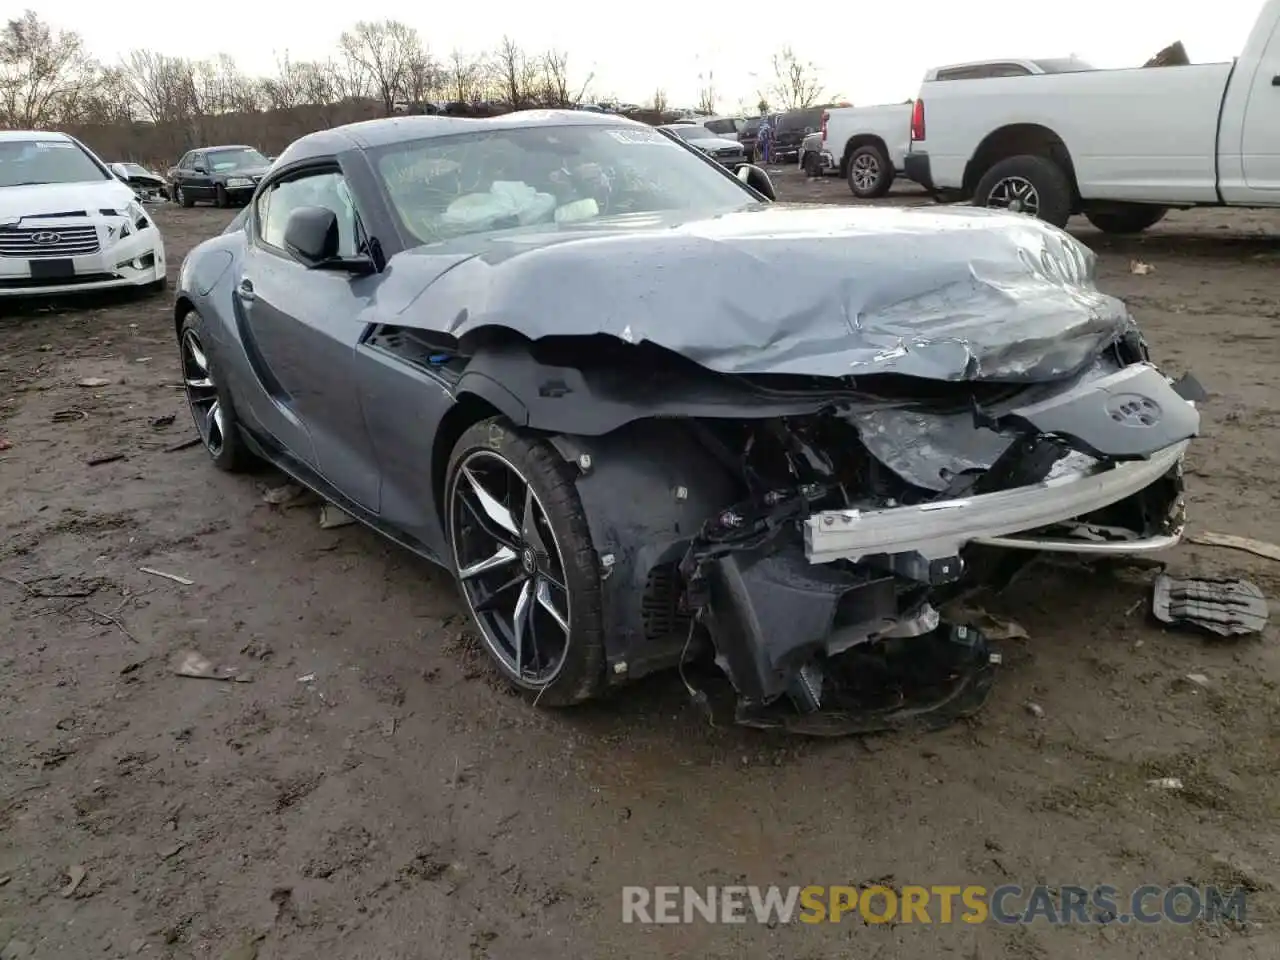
point(808, 549)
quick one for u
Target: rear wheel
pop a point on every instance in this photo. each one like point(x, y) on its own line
point(1130, 218)
point(522, 552)
point(184, 198)
point(209, 402)
point(1028, 184)
point(870, 173)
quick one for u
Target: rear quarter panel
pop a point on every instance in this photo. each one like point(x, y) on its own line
point(891, 123)
point(1138, 134)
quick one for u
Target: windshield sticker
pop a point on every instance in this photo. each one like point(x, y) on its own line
point(636, 136)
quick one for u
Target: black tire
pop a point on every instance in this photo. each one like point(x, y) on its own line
point(580, 676)
point(184, 198)
point(1131, 218)
point(232, 454)
point(1047, 179)
point(220, 197)
point(869, 159)
point(812, 164)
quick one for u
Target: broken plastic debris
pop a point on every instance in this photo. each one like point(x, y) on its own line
point(75, 877)
point(992, 626)
point(1224, 606)
point(1166, 783)
point(282, 494)
point(93, 382)
point(1139, 268)
point(1199, 679)
point(331, 516)
point(1035, 710)
point(194, 665)
point(1258, 548)
point(186, 582)
point(307, 678)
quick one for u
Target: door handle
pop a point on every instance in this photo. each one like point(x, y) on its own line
point(246, 289)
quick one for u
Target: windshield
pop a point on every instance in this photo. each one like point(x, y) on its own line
point(483, 182)
point(242, 158)
point(27, 162)
point(136, 170)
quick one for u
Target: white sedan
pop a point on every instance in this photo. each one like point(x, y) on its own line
point(67, 224)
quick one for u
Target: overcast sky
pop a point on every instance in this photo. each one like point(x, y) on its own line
point(867, 52)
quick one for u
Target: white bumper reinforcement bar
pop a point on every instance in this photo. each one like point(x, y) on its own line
point(939, 529)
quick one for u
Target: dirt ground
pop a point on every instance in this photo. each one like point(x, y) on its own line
point(373, 792)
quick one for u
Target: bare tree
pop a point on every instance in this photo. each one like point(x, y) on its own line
point(510, 68)
point(288, 87)
point(43, 72)
point(707, 92)
point(423, 78)
point(162, 86)
point(555, 79)
point(795, 82)
point(465, 74)
point(384, 52)
point(660, 101)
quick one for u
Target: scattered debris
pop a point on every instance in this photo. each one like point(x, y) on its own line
point(1225, 606)
point(75, 877)
point(105, 458)
point(389, 727)
point(194, 665)
point(276, 496)
point(159, 423)
point(1166, 783)
point(307, 678)
point(1035, 710)
point(5, 880)
point(69, 416)
point(186, 582)
point(993, 627)
point(142, 360)
point(1199, 679)
point(331, 516)
point(93, 382)
point(5, 445)
point(1257, 547)
point(1140, 268)
point(184, 445)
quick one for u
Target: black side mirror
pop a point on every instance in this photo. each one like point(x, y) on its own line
point(199, 168)
point(757, 180)
point(311, 234)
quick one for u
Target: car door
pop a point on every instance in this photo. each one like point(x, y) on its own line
point(304, 325)
point(1260, 140)
point(178, 174)
point(200, 183)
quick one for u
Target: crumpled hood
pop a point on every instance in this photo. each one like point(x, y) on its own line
point(946, 294)
point(56, 198)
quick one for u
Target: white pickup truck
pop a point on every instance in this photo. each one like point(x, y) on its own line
point(1119, 146)
point(871, 143)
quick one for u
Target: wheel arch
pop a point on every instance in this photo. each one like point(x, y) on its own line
point(181, 307)
point(1019, 139)
point(467, 411)
point(862, 140)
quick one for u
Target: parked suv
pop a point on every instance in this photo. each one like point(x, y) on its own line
point(221, 175)
point(790, 129)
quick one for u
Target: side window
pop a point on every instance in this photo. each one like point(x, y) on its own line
point(719, 126)
point(327, 189)
point(198, 160)
point(185, 162)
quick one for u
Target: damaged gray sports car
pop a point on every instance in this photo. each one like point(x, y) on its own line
point(647, 415)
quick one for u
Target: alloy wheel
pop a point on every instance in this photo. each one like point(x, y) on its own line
point(1015, 194)
point(866, 172)
point(202, 394)
point(510, 568)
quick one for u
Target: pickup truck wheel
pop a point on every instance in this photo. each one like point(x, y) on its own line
point(1128, 219)
point(1027, 184)
point(870, 173)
